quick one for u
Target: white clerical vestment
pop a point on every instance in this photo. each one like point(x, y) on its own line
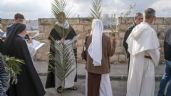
point(142, 42)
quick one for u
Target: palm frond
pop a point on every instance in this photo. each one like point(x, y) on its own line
point(58, 6)
point(113, 23)
point(96, 9)
point(12, 66)
point(64, 59)
point(61, 31)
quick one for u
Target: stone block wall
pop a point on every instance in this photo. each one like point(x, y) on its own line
point(5, 23)
point(161, 25)
point(82, 26)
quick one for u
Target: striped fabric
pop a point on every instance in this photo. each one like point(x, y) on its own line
point(1, 63)
point(3, 77)
point(3, 83)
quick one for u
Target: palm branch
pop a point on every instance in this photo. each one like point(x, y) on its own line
point(58, 6)
point(96, 9)
point(61, 31)
point(64, 61)
point(64, 57)
point(12, 65)
point(113, 27)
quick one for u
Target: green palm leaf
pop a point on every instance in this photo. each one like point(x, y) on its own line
point(13, 65)
point(96, 9)
point(58, 6)
point(64, 58)
point(64, 61)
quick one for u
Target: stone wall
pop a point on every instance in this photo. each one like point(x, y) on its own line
point(82, 26)
point(5, 23)
point(161, 25)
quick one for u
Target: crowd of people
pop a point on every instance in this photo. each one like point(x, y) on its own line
point(140, 42)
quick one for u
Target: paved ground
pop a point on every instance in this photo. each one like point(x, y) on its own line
point(117, 70)
point(118, 87)
point(118, 79)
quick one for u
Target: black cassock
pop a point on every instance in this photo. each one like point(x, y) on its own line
point(125, 45)
point(29, 83)
point(50, 82)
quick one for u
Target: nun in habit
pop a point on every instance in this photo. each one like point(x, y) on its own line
point(28, 81)
point(98, 49)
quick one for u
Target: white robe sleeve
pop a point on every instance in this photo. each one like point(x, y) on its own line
point(32, 50)
point(155, 55)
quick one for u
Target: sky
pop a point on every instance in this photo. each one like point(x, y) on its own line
point(34, 9)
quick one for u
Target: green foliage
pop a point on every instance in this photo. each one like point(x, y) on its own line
point(61, 31)
point(58, 6)
point(96, 9)
point(113, 27)
point(64, 59)
point(13, 66)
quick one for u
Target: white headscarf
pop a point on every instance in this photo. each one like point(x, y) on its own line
point(95, 48)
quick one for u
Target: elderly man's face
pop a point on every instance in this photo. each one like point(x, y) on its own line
point(61, 19)
point(138, 19)
point(154, 19)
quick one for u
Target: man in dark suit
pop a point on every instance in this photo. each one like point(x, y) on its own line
point(137, 20)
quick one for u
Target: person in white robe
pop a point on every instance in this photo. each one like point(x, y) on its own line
point(143, 46)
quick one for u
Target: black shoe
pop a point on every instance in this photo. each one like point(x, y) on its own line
point(72, 88)
point(59, 89)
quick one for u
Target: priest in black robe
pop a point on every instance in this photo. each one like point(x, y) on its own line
point(28, 81)
point(62, 24)
point(137, 20)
